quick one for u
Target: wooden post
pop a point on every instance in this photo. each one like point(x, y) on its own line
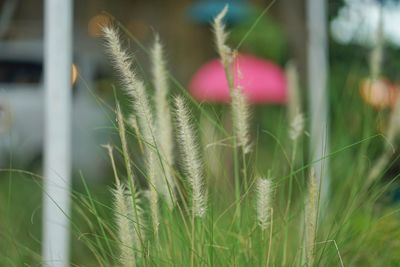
point(317, 95)
point(57, 144)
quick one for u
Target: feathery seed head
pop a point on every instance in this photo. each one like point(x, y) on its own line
point(122, 136)
point(296, 127)
point(136, 216)
point(159, 71)
point(125, 234)
point(133, 86)
point(134, 125)
point(121, 60)
point(191, 158)
point(152, 168)
point(264, 202)
point(221, 36)
point(240, 116)
point(311, 218)
point(163, 124)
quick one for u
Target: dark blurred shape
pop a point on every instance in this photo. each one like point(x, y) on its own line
point(205, 10)
point(291, 17)
point(383, 2)
point(7, 9)
point(20, 72)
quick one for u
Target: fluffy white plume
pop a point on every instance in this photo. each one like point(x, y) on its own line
point(311, 219)
point(163, 123)
point(221, 36)
point(122, 136)
point(191, 158)
point(125, 234)
point(240, 117)
point(296, 126)
point(264, 202)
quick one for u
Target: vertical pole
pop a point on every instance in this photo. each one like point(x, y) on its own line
point(57, 161)
point(318, 97)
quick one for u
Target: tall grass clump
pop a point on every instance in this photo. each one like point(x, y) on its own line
point(135, 89)
point(129, 219)
point(167, 212)
point(156, 132)
point(257, 204)
point(239, 105)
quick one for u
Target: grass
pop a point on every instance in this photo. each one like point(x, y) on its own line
point(359, 227)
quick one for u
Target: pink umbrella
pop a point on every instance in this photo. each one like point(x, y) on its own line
point(262, 81)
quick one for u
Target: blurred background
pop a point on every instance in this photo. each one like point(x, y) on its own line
point(184, 27)
point(279, 35)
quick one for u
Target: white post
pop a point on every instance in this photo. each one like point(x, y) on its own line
point(317, 95)
point(57, 145)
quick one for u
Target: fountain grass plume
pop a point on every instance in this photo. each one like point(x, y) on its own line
point(152, 167)
point(225, 52)
point(240, 118)
point(132, 85)
point(137, 220)
point(134, 125)
point(296, 127)
point(163, 122)
point(221, 36)
point(311, 211)
point(125, 152)
point(264, 202)
point(125, 233)
point(191, 159)
point(129, 218)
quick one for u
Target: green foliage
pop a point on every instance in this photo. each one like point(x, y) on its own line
point(266, 40)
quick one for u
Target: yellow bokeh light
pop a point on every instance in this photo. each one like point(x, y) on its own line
point(74, 74)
